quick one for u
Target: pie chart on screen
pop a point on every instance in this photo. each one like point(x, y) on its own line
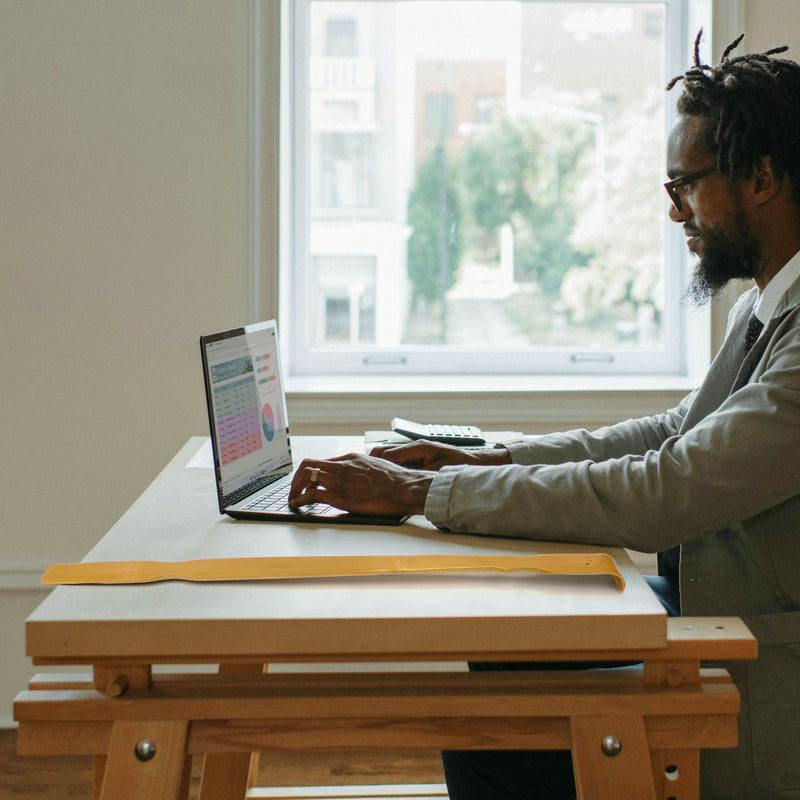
point(268, 422)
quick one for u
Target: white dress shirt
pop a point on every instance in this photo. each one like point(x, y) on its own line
point(769, 299)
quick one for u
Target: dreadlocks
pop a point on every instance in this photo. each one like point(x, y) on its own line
point(751, 104)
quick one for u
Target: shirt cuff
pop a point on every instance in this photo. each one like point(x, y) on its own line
point(438, 499)
point(514, 447)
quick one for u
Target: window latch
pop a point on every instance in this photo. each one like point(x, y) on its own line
point(383, 360)
point(597, 358)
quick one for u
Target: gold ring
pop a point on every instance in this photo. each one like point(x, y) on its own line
point(314, 476)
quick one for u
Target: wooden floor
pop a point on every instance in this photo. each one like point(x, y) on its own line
point(70, 778)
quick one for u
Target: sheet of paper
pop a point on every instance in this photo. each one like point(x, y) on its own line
point(203, 458)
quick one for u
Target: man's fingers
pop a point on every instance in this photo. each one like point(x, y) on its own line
point(305, 483)
point(405, 455)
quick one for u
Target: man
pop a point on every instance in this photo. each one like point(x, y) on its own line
point(712, 485)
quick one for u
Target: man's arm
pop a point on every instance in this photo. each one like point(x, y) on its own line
point(395, 479)
point(737, 462)
point(423, 454)
point(631, 436)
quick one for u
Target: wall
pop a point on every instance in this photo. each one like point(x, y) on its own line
point(123, 206)
point(771, 23)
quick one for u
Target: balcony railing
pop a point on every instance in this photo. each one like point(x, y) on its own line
point(342, 73)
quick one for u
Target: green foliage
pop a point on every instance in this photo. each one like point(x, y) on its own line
point(577, 189)
point(434, 239)
point(498, 171)
point(620, 229)
point(541, 178)
point(511, 175)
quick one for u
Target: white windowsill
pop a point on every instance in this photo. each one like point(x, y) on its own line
point(533, 404)
point(494, 384)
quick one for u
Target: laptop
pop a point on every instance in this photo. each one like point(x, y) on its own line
point(250, 429)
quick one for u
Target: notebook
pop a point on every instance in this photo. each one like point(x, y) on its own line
point(250, 429)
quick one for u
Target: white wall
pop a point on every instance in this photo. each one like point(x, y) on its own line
point(122, 188)
point(123, 211)
point(771, 23)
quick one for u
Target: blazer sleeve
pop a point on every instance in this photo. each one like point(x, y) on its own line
point(665, 490)
point(630, 436)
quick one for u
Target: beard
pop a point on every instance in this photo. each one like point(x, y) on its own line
point(726, 255)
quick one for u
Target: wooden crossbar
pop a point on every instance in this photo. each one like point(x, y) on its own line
point(401, 695)
point(429, 710)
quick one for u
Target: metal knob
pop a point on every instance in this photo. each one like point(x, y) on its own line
point(611, 746)
point(145, 750)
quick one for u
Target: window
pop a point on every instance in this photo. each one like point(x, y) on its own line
point(346, 170)
point(476, 187)
point(340, 38)
point(343, 300)
point(439, 115)
point(486, 107)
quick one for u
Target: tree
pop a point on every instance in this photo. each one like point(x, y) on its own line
point(512, 175)
point(624, 268)
point(434, 215)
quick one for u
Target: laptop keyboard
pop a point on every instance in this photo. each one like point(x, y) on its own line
point(276, 499)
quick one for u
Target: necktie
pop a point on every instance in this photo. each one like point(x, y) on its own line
point(754, 328)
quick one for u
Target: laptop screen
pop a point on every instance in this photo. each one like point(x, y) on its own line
point(247, 408)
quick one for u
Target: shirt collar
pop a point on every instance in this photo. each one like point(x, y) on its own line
point(768, 300)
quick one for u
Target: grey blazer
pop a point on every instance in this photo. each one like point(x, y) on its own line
point(717, 476)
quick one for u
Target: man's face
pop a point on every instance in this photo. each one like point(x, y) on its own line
point(712, 213)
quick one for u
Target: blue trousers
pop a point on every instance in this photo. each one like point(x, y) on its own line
point(527, 774)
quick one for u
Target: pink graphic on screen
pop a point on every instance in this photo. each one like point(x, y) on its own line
point(237, 420)
point(268, 422)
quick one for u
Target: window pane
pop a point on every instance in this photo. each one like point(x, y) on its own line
point(346, 170)
point(343, 300)
point(484, 175)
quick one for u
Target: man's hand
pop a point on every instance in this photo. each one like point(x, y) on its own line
point(423, 454)
point(361, 484)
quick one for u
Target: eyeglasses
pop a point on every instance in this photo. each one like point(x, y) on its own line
point(673, 187)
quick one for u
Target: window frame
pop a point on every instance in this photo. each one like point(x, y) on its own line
point(274, 229)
